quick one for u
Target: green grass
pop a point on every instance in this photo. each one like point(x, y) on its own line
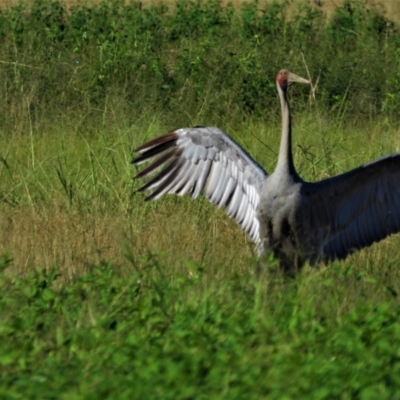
point(328, 334)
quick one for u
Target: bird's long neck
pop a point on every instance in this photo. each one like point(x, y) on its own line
point(285, 159)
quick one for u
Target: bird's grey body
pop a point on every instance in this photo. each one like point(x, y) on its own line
point(280, 216)
point(298, 221)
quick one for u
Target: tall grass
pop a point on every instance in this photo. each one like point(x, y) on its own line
point(68, 199)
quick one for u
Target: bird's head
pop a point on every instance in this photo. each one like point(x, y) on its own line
point(285, 78)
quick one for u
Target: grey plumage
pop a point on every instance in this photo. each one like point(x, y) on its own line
point(299, 221)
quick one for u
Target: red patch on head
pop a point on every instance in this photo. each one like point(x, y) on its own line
point(282, 79)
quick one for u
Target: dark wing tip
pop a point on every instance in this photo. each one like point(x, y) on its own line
point(168, 137)
point(155, 147)
point(161, 161)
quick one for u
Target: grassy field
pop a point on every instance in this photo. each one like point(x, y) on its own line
point(106, 296)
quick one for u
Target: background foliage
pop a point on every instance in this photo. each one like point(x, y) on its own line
point(57, 63)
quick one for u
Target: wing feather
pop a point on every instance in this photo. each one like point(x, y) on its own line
point(242, 209)
point(193, 171)
point(220, 187)
point(254, 228)
point(234, 203)
point(166, 184)
point(199, 184)
point(157, 163)
point(228, 191)
point(213, 179)
point(357, 208)
point(181, 180)
point(205, 159)
point(160, 177)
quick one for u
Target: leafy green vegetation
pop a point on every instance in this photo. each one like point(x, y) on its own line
point(58, 65)
point(105, 296)
point(154, 335)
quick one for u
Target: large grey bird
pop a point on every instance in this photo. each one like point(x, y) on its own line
point(298, 221)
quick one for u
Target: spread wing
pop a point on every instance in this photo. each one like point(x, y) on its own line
point(357, 208)
point(205, 159)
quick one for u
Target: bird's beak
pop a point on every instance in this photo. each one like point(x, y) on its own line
point(292, 78)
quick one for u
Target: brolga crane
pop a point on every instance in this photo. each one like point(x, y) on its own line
point(298, 221)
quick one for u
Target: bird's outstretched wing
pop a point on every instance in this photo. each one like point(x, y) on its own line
point(357, 208)
point(205, 159)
